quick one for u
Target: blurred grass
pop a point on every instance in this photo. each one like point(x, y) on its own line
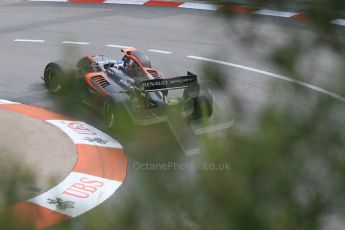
point(15, 179)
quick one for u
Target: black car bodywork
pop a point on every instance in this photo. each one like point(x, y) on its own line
point(130, 84)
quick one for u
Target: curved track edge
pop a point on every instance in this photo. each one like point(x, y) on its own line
point(100, 170)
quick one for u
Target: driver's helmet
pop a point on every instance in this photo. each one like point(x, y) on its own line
point(134, 70)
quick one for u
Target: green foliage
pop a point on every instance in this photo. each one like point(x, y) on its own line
point(15, 179)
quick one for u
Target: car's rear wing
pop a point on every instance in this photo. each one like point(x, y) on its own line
point(186, 81)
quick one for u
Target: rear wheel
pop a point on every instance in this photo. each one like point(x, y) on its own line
point(109, 115)
point(202, 105)
point(116, 115)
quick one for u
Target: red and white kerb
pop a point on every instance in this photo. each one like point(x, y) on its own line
point(100, 170)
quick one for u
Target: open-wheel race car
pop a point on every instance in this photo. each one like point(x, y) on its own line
point(130, 83)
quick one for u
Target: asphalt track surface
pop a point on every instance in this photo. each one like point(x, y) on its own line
point(181, 32)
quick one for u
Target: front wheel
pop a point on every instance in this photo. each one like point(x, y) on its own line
point(56, 79)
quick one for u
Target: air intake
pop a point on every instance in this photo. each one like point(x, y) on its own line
point(153, 73)
point(101, 81)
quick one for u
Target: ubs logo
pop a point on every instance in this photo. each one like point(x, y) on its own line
point(84, 188)
point(80, 128)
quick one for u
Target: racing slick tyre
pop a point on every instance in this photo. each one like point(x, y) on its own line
point(202, 105)
point(109, 115)
point(57, 78)
point(115, 114)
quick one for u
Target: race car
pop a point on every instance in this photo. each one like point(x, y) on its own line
point(129, 84)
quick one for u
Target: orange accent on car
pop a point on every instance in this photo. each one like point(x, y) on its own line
point(90, 76)
point(128, 49)
point(154, 73)
point(90, 58)
point(148, 75)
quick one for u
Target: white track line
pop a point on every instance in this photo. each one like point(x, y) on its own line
point(281, 77)
point(29, 40)
point(160, 51)
point(340, 22)
point(118, 46)
point(275, 13)
point(75, 43)
point(213, 128)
